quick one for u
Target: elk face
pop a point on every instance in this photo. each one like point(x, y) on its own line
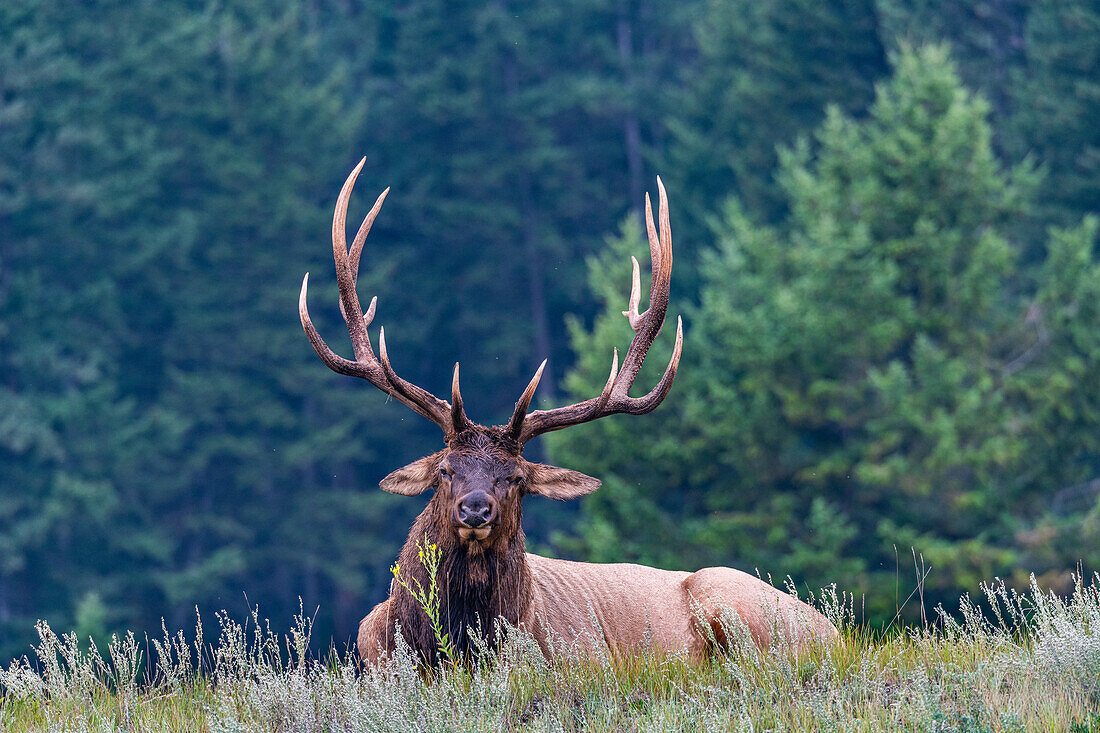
point(480, 484)
point(480, 488)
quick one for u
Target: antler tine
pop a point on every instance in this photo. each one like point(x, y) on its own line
point(515, 425)
point(600, 402)
point(656, 251)
point(368, 317)
point(345, 276)
point(366, 365)
point(631, 311)
point(361, 235)
point(615, 398)
point(458, 414)
point(418, 398)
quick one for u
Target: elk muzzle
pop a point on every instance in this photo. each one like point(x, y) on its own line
point(475, 513)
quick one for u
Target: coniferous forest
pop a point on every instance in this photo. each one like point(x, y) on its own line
point(886, 259)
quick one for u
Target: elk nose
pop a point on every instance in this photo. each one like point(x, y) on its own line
point(474, 511)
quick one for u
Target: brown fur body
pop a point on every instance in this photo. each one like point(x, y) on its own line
point(620, 609)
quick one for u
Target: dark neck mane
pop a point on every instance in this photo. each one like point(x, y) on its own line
point(477, 585)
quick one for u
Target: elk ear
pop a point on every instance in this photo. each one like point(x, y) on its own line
point(558, 483)
point(413, 479)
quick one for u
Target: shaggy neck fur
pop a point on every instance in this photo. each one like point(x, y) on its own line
point(478, 581)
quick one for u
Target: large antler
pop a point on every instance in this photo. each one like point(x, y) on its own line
point(615, 398)
point(367, 366)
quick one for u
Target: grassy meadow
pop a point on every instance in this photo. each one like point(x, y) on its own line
point(1011, 662)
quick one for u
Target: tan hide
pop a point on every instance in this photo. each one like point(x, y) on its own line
point(591, 608)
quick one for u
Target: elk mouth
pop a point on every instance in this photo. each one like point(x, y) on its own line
point(474, 533)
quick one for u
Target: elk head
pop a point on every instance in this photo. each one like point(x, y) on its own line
point(480, 477)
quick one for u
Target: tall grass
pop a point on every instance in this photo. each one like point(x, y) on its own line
point(1028, 661)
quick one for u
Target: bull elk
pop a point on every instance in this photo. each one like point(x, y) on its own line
point(480, 479)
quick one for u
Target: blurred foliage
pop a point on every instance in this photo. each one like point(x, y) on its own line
point(889, 287)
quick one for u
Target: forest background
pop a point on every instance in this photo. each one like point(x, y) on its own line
point(885, 258)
